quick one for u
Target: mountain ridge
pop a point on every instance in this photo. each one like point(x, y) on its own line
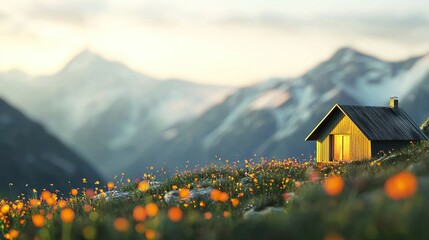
point(33, 158)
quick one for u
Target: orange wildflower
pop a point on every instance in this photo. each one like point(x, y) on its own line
point(121, 224)
point(175, 214)
point(67, 215)
point(223, 197)
point(62, 203)
point(13, 234)
point(150, 234)
point(140, 227)
point(207, 215)
point(333, 185)
point(143, 186)
point(5, 209)
point(139, 213)
point(87, 208)
point(215, 194)
point(235, 202)
point(184, 193)
point(400, 186)
point(152, 210)
point(46, 195)
point(38, 220)
point(74, 192)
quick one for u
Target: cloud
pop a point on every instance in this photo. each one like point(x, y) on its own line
point(412, 28)
point(66, 11)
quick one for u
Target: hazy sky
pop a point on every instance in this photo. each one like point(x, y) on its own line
point(219, 41)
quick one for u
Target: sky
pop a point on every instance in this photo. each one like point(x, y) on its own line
point(224, 42)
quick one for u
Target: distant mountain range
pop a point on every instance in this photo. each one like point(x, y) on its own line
point(123, 120)
point(106, 111)
point(272, 119)
point(32, 158)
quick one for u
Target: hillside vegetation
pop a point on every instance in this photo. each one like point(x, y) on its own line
point(273, 199)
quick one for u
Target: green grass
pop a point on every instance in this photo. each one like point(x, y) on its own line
point(361, 211)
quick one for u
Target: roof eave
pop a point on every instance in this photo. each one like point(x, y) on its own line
point(320, 123)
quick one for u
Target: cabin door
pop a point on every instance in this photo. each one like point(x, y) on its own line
point(340, 147)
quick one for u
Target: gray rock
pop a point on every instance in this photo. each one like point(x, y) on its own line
point(418, 167)
point(172, 197)
point(268, 210)
point(112, 195)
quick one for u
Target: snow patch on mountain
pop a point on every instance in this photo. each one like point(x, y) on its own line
point(289, 121)
point(270, 99)
point(399, 85)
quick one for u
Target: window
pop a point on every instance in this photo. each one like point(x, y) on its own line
point(340, 147)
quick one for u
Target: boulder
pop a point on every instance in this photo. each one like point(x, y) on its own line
point(202, 194)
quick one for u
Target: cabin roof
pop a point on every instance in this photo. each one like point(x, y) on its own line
point(376, 123)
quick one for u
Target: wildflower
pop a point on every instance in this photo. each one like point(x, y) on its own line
point(400, 186)
point(184, 193)
point(74, 192)
point(45, 195)
point(62, 203)
point(150, 234)
point(223, 197)
point(38, 220)
point(121, 224)
point(175, 214)
point(333, 185)
point(89, 193)
point(152, 210)
point(139, 213)
point(215, 194)
point(14, 234)
point(110, 185)
point(5, 209)
point(143, 186)
point(140, 227)
point(67, 215)
point(235, 202)
point(207, 215)
point(87, 208)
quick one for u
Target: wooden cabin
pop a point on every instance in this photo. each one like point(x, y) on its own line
point(349, 133)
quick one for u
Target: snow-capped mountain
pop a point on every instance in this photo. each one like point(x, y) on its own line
point(271, 119)
point(105, 110)
point(32, 158)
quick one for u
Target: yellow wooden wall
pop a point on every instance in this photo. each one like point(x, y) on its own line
point(360, 146)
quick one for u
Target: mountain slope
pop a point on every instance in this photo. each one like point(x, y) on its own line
point(30, 155)
point(108, 112)
point(272, 119)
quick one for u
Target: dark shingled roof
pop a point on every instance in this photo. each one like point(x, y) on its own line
point(379, 123)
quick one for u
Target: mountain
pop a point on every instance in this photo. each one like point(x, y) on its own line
point(272, 119)
point(32, 158)
point(106, 111)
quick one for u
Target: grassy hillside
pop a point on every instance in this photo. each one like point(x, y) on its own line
point(273, 199)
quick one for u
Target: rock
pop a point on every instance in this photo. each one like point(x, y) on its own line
point(417, 168)
point(203, 194)
point(154, 185)
point(112, 195)
point(268, 210)
point(245, 180)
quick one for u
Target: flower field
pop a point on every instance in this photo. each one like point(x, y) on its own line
point(269, 199)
